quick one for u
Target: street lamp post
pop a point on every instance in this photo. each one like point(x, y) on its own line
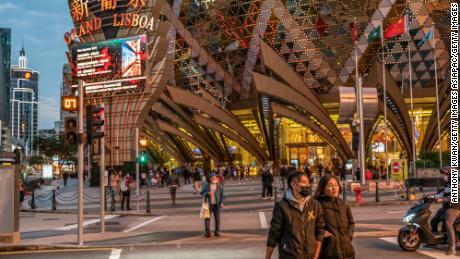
point(80, 162)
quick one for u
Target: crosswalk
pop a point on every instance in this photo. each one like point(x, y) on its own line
point(439, 252)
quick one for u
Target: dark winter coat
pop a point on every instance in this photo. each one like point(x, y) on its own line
point(294, 231)
point(339, 222)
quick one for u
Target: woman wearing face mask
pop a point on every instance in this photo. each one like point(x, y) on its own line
point(213, 193)
point(338, 218)
point(297, 225)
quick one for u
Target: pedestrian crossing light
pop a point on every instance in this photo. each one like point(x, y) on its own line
point(143, 158)
point(70, 131)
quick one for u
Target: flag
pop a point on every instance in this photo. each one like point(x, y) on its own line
point(321, 26)
point(397, 28)
point(375, 34)
point(354, 32)
point(428, 37)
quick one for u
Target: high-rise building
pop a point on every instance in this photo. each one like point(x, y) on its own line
point(5, 63)
point(65, 90)
point(5, 138)
point(24, 104)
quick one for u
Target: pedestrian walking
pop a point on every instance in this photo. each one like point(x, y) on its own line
point(283, 175)
point(213, 193)
point(270, 184)
point(327, 171)
point(65, 176)
point(164, 177)
point(125, 187)
point(196, 181)
point(173, 183)
point(297, 225)
point(339, 224)
point(187, 175)
point(115, 184)
point(265, 180)
point(241, 171)
point(342, 172)
point(308, 172)
point(320, 170)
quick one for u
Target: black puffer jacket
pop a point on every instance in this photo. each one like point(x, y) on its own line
point(339, 222)
point(294, 231)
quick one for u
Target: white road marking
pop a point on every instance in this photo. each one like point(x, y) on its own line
point(263, 220)
point(143, 224)
point(86, 223)
point(435, 253)
point(396, 211)
point(115, 254)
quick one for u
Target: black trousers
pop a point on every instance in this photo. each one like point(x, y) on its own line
point(126, 196)
point(270, 190)
point(264, 190)
point(214, 210)
point(438, 217)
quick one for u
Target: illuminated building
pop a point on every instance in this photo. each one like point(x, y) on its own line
point(255, 81)
point(5, 62)
point(65, 91)
point(24, 104)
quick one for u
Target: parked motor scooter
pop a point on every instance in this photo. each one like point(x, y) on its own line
point(417, 228)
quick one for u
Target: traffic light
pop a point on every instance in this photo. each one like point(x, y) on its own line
point(143, 158)
point(95, 117)
point(70, 131)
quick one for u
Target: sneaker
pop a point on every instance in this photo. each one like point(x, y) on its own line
point(217, 234)
point(207, 235)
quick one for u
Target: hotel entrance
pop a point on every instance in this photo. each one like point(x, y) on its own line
point(301, 154)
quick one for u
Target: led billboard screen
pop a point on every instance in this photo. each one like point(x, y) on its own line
point(112, 65)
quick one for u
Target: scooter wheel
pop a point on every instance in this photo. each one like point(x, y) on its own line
point(407, 241)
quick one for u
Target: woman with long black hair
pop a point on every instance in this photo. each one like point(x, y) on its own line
point(339, 224)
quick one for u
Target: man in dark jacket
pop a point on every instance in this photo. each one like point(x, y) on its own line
point(265, 181)
point(297, 225)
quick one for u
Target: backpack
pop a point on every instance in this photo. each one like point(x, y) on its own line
point(123, 186)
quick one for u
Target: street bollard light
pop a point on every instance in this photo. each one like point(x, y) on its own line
point(54, 200)
point(32, 203)
point(377, 194)
point(276, 194)
point(112, 200)
point(148, 202)
point(105, 198)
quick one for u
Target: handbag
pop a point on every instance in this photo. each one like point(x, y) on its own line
point(204, 212)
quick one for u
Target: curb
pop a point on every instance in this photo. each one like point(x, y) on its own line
point(15, 248)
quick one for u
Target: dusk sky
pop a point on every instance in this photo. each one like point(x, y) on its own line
point(42, 24)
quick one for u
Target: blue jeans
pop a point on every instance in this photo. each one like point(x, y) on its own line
point(214, 210)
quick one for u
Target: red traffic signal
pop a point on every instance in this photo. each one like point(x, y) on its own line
point(95, 117)
point(70, 131)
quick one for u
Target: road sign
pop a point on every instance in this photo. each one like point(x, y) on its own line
point(395, 167)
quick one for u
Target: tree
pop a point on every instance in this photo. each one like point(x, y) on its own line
point(36, 160)
point(55, 146)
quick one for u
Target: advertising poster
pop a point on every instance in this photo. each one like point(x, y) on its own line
point(114, 65)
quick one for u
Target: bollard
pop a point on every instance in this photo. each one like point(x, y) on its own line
point(359, 197)
point(32, 203)
point(148, 202)
point(112, 200)
point(105, 198)
point(54, 200)
point(407, 191)
point(344, 192)
point(377, 194)
point(276, 194)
